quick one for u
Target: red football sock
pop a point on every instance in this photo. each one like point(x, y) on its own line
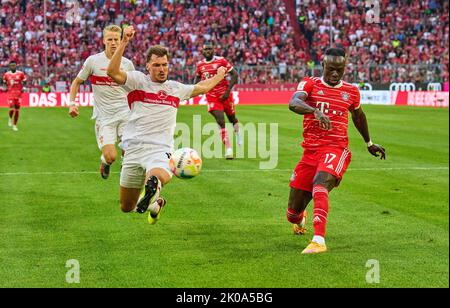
point(11, 113)
point(294, 216)
point(16, 117)
point(224, 135)
point(320, 196)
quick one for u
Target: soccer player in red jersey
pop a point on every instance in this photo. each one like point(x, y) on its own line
point(219, 100)
point(14, 80)
point(325, 103)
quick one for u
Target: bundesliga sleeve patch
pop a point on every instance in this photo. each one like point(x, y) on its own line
point(301, 86)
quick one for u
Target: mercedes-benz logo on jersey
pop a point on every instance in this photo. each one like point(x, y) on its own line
point(301, 86)
point(162, 94)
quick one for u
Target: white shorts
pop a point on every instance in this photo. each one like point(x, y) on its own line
point(110, 133)
point(138, 160)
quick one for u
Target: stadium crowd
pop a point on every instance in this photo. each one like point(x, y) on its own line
point(409, 43)
point(257, 36)
point(247, 32)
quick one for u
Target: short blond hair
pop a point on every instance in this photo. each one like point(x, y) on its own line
point(112, 28)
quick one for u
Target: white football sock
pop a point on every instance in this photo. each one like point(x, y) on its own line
point(302, 223)
point(102, 158)
point(154, 208)
point(238, 134)
point(236, 128)
point(319, 239)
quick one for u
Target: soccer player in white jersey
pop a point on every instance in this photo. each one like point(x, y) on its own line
point(148, 136)
point(110, 99)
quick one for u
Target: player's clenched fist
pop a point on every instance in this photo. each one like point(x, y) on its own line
point(73, 111)
point(377, 150)
point(128, 33)
point(324, 121)
point(222, 71)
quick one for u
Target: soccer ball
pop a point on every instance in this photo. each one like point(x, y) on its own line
point(185, 163)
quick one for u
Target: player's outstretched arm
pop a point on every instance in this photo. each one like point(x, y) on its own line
point(298, 105)
point(114, 71)
point(205, 86)
point(74, 88)
point(360, 121)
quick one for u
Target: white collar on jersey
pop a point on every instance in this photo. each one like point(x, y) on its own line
point(104, 54)
point(330, 86)
point(214, 58)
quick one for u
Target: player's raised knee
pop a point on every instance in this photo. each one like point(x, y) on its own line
point(110, 157)
point(127, 206)
point(293, 216)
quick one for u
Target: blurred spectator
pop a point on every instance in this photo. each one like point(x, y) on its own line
point(248, 32)
point(410, 43)
point(46, 88)
point(411, 40)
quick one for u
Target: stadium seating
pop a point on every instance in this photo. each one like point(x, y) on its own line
point(410, 42)
point(257, 36)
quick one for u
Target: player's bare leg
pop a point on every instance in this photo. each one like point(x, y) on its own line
point(296, 212)
point(220, 119)
point(16, 118)
point(323, 184)
point(11, 115)
point(109, 154)
point(129, 198)
point(232, 118)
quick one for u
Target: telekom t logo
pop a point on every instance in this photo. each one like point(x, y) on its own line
point(322, 106)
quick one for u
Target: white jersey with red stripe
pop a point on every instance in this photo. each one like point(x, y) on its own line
point(154, 109)
point(110, 99)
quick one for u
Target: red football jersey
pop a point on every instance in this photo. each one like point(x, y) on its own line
point(206, 70)
point(335, 102)
point(14, 82)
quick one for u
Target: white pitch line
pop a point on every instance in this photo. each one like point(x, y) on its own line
point(228, 170)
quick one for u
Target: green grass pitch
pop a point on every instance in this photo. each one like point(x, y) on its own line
point(227, 227)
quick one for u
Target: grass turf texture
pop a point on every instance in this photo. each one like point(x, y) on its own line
point(224, 229)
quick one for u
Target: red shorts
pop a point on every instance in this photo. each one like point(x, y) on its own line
point(14, 103)
point(227, 106)
point(328, 159)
